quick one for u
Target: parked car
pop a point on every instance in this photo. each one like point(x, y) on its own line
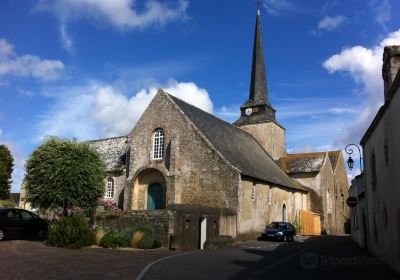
point(18, 223)
point(280, 231)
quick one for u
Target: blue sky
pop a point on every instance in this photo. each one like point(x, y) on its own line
point(88, 69)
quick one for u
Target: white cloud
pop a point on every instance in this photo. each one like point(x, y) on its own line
point(364, 65)
point(66, 40)
point(96, 110)
point(122, 14)
point(279, 7)
point(331, 23)
point(383, 11)
point(28, 65)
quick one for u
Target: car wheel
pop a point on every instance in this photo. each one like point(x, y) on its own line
point(2, 235)
point(41, 234)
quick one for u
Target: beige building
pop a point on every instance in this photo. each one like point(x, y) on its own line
point(381, 162)
point(325, 175)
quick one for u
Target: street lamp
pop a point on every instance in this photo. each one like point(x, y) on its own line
point(350, 161)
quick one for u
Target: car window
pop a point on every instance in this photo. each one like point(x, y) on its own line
point(26, 216)
point(13, 215)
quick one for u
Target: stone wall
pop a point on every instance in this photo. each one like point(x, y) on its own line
point(265, 206)
point(271, 137)
point(161, 220)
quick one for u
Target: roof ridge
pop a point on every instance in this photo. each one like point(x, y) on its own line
point(108, 138)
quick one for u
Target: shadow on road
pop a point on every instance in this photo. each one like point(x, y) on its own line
point(323, 257)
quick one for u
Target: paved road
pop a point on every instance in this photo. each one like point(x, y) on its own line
point(324, 257)
point(31, 260)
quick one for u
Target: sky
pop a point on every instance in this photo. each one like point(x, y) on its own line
point(88, 69)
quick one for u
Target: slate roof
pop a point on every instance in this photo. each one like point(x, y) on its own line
point(112, 151)
point(334, 157)
point(308, 162)
point(238, 147)
point(302, 163)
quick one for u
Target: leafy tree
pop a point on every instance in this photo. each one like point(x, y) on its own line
point(6, 169)
point(65, 174)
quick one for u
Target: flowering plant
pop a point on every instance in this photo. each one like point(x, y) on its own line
point(110, 205)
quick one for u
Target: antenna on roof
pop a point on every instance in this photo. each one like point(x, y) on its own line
point(258, 6)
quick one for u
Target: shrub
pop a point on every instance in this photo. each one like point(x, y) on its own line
point(136, 238)
point(7, 203)
point(297, 225)
point(70, 232)
point(99, 234)
point(147, 239)
point(127, 235)
point(111, 240)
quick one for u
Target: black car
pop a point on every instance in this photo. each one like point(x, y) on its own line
point(280, 231)
point(19, 223)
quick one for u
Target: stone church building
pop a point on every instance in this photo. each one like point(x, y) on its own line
point(196, 176)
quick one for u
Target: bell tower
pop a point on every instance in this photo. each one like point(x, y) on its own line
point(257, 115)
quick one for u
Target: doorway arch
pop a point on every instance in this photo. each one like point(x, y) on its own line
point(149, 190)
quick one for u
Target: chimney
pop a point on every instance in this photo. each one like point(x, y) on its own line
point(390, 68)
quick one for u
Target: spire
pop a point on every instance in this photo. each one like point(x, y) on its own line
point(258, 85)
point(257, 109)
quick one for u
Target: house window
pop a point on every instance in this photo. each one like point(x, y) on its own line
point(110, 188)
point(253, 192)
point(270, 197)
point(158, 144)
point(386, 150)
point(373, 170)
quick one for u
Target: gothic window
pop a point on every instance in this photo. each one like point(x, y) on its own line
point(253, 192)
point(158, 144)
point(110, 188)
point(386, 150)
point(373, 170)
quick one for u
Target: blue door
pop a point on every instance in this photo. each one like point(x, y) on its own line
point(155, 197)
point(283, 212)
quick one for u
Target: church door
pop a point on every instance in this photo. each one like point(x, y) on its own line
point(155, 197)
point(283, 212)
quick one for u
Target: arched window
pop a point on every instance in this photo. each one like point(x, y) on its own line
point(158, 144)
point(110, 188)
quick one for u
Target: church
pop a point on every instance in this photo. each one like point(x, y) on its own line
point(194, 176)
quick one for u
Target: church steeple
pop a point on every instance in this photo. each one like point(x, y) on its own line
point(257, 109)
point(258, 85)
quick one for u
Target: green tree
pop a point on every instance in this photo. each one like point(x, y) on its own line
point(64, 173)
point(6, 169)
